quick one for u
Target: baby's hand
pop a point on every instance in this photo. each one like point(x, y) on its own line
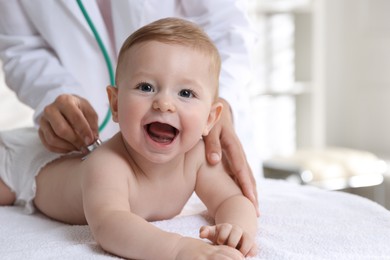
point(230, 235)
point(191, 248)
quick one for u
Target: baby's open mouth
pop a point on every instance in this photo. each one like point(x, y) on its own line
point(161, 133)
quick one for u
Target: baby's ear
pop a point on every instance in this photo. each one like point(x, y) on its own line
point(112, 93)
point(215, 114)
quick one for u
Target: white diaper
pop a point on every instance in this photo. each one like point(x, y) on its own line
point(22, 156)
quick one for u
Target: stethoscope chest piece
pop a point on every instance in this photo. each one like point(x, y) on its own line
point(92, 147)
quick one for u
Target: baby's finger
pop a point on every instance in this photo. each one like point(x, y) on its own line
point(253, 251)
point(208, 232)
point(223, 232)
point(234, 237)
point(246, 245)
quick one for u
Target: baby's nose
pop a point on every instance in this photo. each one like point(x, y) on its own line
point(164, 105)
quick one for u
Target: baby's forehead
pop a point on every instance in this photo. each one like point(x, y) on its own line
point(148, 50)
point(155, 43)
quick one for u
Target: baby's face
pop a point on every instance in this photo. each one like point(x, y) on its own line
point(165, 95)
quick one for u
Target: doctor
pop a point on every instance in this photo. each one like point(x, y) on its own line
point(52, 61)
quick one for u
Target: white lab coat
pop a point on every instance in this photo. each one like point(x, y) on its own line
point(47, 48)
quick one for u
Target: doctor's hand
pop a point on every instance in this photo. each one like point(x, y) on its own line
point(223, 139)
point(69, 123)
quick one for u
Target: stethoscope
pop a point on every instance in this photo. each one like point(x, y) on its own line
point(109, 68)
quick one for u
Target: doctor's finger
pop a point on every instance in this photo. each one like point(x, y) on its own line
point(92, 119)
point(51, 141)
point(240, 167)
point(75, 109)
point(213, 145)
point(61, 129)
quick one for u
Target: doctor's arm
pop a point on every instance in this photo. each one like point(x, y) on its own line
point(33, 71)
point(227, 25)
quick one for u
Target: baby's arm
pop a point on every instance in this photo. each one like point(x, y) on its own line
point(235, 216)
point(119, 231)
point(234, 230)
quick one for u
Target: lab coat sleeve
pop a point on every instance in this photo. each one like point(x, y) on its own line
point(31, 68)
point(227, 24)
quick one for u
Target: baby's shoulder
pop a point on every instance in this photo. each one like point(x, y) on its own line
point(198, 151)
point(196, 157)
point(108, 156)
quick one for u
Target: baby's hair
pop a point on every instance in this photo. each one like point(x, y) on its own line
point(175, 31)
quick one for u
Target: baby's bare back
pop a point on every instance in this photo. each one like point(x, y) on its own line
point(59, 185)
point(59, 194)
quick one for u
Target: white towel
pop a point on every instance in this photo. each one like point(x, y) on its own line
point(296, 223)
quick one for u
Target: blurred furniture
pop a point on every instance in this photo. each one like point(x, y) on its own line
point(342, 169)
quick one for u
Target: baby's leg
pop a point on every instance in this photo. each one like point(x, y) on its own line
point(7, 197)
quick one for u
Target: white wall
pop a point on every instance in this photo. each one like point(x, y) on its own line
point(357, 74)
point(355, 78)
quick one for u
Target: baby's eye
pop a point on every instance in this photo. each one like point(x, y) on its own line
point(145, 87)
point(187, 93)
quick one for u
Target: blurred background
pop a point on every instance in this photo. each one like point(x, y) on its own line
point(320, 94)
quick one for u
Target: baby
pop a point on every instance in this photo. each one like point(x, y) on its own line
point(164, 101)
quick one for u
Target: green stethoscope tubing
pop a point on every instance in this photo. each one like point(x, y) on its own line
point(106, 58)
